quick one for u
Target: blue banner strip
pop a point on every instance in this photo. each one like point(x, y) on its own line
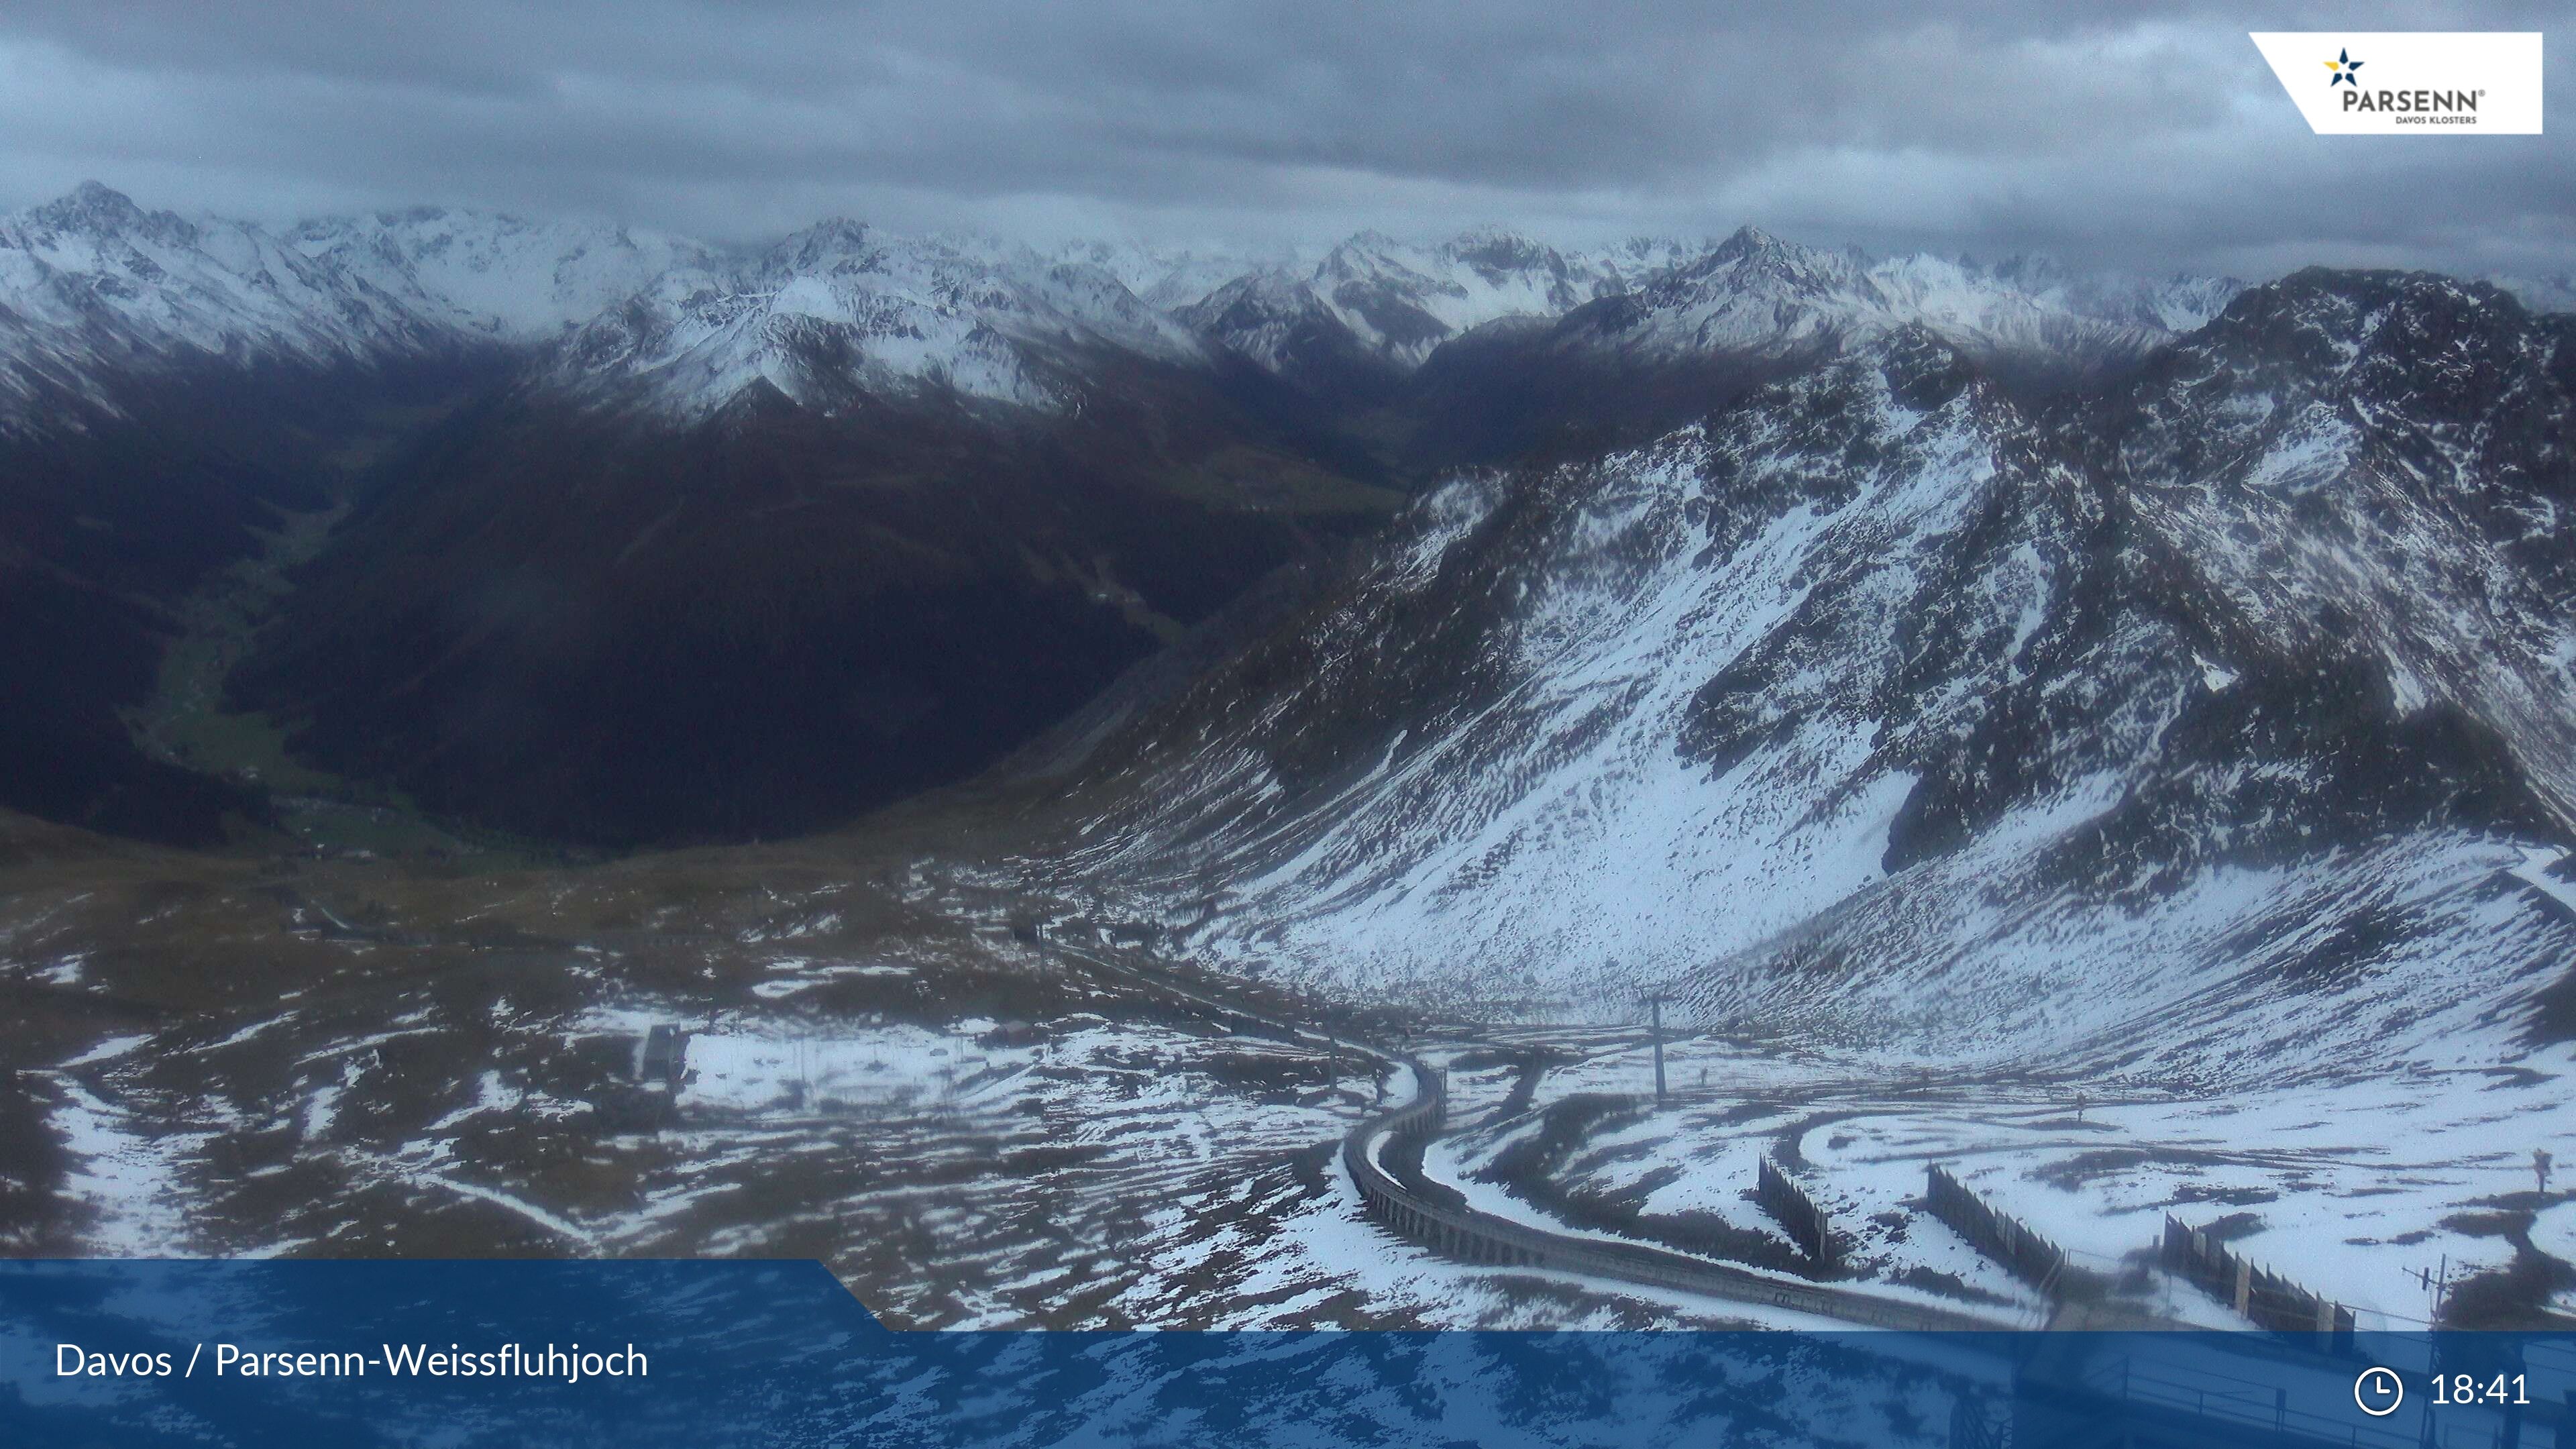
point(458, 1355)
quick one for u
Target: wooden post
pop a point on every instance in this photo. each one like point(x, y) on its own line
point(2244, 1284)
point(1658, 1005)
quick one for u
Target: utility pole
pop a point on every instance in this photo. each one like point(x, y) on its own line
point(1655, 1005)
point(2436, 1282)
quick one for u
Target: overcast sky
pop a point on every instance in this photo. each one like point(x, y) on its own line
point(2137, 134)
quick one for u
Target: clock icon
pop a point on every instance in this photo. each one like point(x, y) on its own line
point(2378, 1391)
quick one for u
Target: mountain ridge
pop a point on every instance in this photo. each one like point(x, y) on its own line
point(1885, 707)
point(92, 282)
point(910, 401)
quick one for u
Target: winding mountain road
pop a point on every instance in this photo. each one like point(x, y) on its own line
point(1400, 1200)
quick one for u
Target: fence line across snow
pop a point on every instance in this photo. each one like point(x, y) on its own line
point(2267, 1298)
point(1789, 1204)
point(2031, 1258)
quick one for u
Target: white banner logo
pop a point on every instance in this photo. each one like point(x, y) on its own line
point(2397, 83)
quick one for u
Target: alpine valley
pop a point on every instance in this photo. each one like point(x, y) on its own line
point(984, 764)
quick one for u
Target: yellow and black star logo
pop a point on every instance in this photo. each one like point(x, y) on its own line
point(2343, 66)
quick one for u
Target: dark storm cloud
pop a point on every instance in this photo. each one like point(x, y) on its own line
point(2147, 133)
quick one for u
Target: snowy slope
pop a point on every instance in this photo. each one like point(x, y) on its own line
point(93, 287)
point(1169, 276)
point(512, 279)
point(1658, 302)
point(92, 284)
point(2153, 804)
point(1396, 302)
point(1755, 294)
point(95, 291)
point(2383, 463)
point(1402, 301)
point(1882, 709)
point(841, 308)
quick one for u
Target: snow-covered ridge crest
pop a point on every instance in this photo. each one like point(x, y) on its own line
point(1755, 293)
point(93, 288)
point(498, 275)
point(1885, 709)
point(92, 284)
point(841, 307)
point(1658, 301)
point(1535, 816)
point(1398, 302)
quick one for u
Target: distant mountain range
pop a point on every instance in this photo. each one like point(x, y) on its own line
point(93, 286)
point(620, 538)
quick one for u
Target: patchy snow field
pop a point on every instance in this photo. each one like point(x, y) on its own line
point(2345, 1188)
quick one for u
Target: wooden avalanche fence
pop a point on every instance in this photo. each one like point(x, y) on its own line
point(2270, 1300)
point(2031, 1258)
point(1788, 1203)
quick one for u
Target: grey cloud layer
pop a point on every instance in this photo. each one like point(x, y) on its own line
point(2147, 133)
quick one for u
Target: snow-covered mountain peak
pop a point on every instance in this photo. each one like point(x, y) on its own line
point(92, 278)
point(1497, 249)
point(2178, 303)
point(2320, 322)
point(841, 309)
point(1753, 260)
point(833, 245)
point(1375, 303)
point(2190, 728)
point(97, 211)
point(1169, 276)
point(2375, 467)
point(494, 275)
point(1756, 295)
point(93, 288)
point(1366, 242)
point(1749, 243)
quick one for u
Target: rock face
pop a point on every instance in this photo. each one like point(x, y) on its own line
point(1884, 705)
